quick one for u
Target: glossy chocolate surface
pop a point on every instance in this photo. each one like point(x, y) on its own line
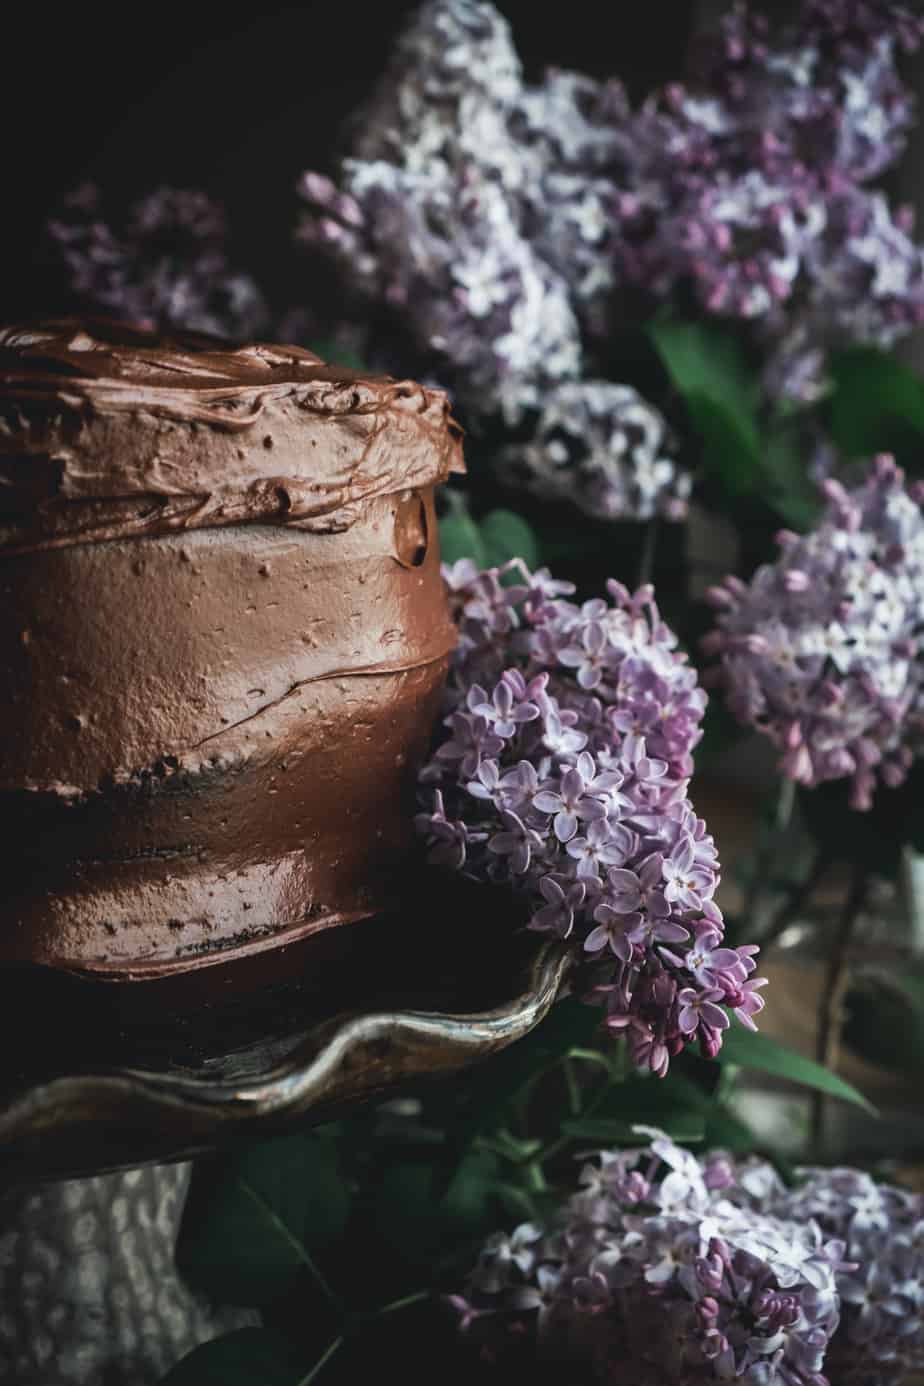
point(223, 636)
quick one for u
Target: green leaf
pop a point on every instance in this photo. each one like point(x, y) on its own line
point(469, 1197)
point(255, 1218)
point(725, 1131)
point(495, 1082)
point(788, 488)
point(405, 1211)
point(460, 536)
point(729, 453)
point(749, 1049)
point(708, 369)
point(506, 535)
point(877, 405)
point(885, 1018)
point(249, 1357)
point(685, 1127)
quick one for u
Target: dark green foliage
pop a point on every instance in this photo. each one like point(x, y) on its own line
point(249, 1357)
point(254, 1215)
point(877, 405)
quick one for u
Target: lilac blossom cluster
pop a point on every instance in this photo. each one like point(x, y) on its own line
point(563, 773)
point(653, 1274)
point(501, 220)
point(763, 207)
point(821, 650)
point(606, 441)
point(881, 1336)
point(162, 264)
point(471, 208)
point(683, 1271)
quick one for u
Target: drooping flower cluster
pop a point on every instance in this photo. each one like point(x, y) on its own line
point(563, 773)
point(163, 263)
point(822, 649)
point(665, 1270)
point(500, 220)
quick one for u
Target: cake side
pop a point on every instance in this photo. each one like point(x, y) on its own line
point(213, 727)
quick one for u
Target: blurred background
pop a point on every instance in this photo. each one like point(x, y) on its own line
point(198, 96)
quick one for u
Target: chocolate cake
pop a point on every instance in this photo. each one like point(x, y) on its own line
point(223, 635)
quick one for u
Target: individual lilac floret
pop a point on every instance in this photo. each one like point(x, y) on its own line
point(163, 264)
point(821, 650)
point(602, 447)
point(661, 1271)
point(562, 772)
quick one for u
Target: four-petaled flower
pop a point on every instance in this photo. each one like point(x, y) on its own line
point(588, 657)
point(563, 898)
point(597, 850)
point(686, 881)
point(700, 1007)
point(516, 842)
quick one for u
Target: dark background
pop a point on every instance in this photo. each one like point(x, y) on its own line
point(194, 96)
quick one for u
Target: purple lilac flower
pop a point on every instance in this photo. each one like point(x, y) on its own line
point(821, 650)
point(441, 245)
point(877, 1232)
point(164, 263)
point(663, 1270)
point(501, 220)
point(563, 772)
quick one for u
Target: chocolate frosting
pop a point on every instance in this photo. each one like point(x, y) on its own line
point(223, 635)
point(102, 429)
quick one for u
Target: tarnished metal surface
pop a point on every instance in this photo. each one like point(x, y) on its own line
point(89, 1117)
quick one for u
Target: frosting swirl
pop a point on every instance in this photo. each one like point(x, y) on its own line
point(103, 433)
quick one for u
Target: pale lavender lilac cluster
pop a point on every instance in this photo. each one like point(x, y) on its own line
point(881, 1336)
point(563, 773)
point(162, 263)
point(482, 212)
point(822, 649)
point(502, 219)
point(667, 1270)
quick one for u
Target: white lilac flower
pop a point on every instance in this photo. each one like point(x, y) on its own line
point(821, 650)
point(563, 772)
point(602, 447)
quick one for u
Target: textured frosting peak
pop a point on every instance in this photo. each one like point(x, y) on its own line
point(291, 441)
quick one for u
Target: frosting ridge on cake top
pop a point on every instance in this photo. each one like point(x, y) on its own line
point(291, 441)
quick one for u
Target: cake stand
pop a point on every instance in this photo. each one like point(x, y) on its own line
point(108, 1091)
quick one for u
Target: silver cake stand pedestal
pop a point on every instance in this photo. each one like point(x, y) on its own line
point(109, 1097)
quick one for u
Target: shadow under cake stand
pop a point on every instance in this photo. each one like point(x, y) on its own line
point(108, 1090)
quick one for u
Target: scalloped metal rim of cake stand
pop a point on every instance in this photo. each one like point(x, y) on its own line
point(120, 1117)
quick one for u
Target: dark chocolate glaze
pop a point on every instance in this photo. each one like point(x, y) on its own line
point(223, 636)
